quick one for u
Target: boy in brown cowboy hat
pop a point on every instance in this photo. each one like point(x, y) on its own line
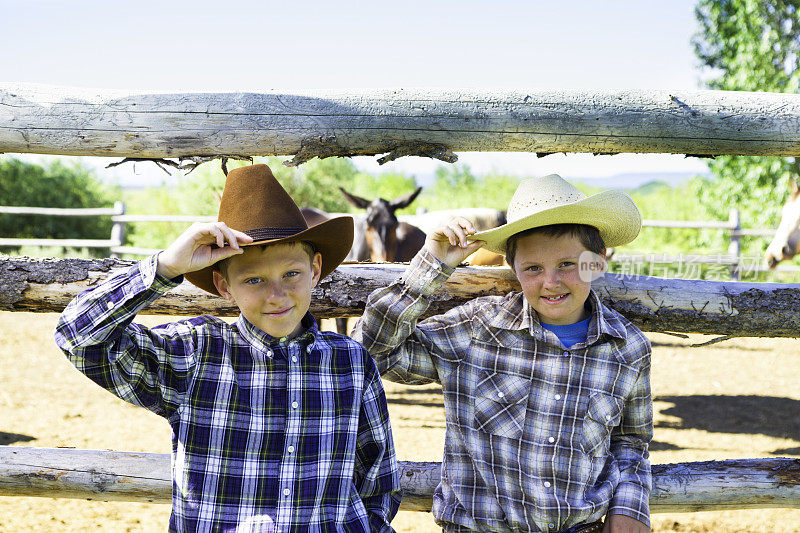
point(276, 425)
point(547, 391)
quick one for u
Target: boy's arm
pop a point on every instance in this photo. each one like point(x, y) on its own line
point(629, 445)
point(143, 366)
point(139, 365)
point(376, 477)
point(388, 328)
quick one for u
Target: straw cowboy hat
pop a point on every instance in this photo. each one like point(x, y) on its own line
point(552, 200)
point(254, 203)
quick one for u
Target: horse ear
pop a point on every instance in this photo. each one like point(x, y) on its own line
point(404, 201)
point(357, 201)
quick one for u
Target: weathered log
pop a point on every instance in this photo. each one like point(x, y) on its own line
point(654, 304)
point(434, 123)
point(146, 477)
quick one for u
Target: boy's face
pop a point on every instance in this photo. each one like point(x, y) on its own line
point(271, 286)
point(547, 269)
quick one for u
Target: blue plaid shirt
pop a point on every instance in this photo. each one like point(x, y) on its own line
point(539, 437)
point(267, 434)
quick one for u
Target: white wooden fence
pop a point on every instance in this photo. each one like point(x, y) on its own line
point(732, 259)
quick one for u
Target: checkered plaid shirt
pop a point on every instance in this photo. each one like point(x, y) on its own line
point(267, 435)
point(539, 437)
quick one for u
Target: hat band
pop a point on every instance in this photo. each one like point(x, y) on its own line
point(262, 234)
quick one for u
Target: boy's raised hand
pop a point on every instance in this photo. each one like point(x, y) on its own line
point(201, 245)
point(619, 523)
point(449, 243)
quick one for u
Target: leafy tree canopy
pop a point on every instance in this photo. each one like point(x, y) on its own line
point(748, 45)
point(56, 185)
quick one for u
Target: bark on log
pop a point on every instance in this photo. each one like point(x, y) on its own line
point(146, 477)
point(654, 304)
point(434, 123)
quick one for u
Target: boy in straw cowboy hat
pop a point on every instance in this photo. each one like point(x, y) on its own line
point(276, 426)
point(547, 391)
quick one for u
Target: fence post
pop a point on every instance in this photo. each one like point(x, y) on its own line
point(118, 228)
point(735, 246)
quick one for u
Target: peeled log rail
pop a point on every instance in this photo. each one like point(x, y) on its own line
point(434, 123)
point(146, 477)
point(654, 304)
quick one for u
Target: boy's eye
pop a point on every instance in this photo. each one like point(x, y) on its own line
point(533, 268)
point(291, 274)
point(567, 264)
point(252, 281)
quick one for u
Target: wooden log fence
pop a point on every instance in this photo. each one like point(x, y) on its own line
point(435, 123)
point(70, 121)
point(147, 477)
point(734, 309)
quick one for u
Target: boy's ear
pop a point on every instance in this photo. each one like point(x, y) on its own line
point(316, 268)
point(222, 286)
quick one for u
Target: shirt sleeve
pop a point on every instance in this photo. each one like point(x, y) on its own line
point(629, 445)
point(376, 475)
point(146, 367)
point(405, 350)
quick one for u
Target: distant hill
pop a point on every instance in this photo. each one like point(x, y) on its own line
point(634, 180)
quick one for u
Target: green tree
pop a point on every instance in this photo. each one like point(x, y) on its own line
point(748, 45)
point(55, 185)
point(456, 186)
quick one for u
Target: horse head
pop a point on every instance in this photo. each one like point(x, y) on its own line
point(786, 242)
point(385, 236)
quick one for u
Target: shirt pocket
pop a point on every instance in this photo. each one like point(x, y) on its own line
point(602, 416)
point(500, 404)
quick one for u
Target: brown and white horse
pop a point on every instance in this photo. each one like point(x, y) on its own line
point(786, 242)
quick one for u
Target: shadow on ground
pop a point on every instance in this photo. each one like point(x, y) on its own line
point(11, 438)
point(747, 415)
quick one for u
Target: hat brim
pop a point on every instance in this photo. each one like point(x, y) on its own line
point(333, 239)
point(613, 213)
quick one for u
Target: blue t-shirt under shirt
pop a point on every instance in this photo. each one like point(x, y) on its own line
point(571, 333)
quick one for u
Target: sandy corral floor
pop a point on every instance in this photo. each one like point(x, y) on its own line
point(736, 399)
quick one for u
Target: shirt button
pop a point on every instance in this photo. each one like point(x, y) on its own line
point(429, 274)
point(294, 359)
point(500, 394)
point(547, 484)
point(310, 347)
point(565, 354)
point(269, 353)
point(290, 449)
point(608, 418)
point(558, 396)
point(110, 305)
point(551, 526)
point(295, 405)
point(551, 439)
point(285, 492)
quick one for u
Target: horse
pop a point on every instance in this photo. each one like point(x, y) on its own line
point(482, 218)
point(380, 236)
point(786, 242)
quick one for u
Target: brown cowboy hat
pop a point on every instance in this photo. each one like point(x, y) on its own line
point(254, 203)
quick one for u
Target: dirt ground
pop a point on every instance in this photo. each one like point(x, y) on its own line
point(736, 399)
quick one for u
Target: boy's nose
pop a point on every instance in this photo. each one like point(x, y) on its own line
point(275, 290)
point(552, 278)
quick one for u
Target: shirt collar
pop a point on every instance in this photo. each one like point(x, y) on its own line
point(262, 340)
point(516, 314)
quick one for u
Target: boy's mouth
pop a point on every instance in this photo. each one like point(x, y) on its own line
point(279, 312)
point(556, 298)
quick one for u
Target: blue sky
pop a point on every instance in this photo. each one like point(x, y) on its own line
point(249, 46)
